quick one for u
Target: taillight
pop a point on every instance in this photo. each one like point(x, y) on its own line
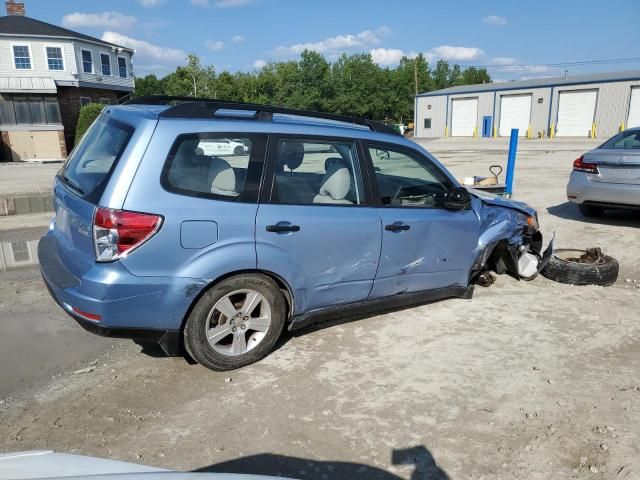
point(118, 232)
point(580, 165)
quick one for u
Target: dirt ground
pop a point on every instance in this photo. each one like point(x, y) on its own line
point(528, 380)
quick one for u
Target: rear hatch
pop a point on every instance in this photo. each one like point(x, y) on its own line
point(79, 186)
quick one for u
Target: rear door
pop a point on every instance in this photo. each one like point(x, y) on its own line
point(424, 246)
point(313, 226)
point(618, 159)
point(79, 186)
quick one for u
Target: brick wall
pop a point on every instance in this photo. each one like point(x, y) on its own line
point(69, 100)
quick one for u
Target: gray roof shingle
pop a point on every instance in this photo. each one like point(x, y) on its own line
point(19, 25)
point(537, 83)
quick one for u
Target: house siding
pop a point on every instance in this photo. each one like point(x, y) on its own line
point(612, 107)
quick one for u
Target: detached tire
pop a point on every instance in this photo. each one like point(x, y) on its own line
point(563, 267)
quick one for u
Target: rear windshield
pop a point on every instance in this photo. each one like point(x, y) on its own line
point(91, 162)
point(624, 140)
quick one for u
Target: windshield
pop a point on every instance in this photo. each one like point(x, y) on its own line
point(91, 162)
point(624, 140)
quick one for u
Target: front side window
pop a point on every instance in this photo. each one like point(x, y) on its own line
point(54, 58)
point(21, 57)
point(122, 67)
point(406, 179)
point(321, 172)
point(624, 140)
point(87, 61)
point(105, 61)
point(93, 159)
point(215, 166)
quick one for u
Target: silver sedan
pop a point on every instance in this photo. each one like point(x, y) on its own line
point(608, 177)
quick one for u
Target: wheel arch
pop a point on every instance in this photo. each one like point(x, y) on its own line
point(281, 282)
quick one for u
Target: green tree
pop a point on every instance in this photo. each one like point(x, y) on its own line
point(87, 116)
point(473, 75)
point(149, 85)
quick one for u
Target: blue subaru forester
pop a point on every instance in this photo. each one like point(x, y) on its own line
point(211, 226)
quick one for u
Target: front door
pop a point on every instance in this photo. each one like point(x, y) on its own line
point(424, 246)
point(314, 229)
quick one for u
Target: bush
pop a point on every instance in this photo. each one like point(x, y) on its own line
point(88, 114)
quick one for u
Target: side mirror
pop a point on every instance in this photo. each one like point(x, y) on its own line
point(457, 198)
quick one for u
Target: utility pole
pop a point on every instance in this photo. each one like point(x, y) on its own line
point(415, 73)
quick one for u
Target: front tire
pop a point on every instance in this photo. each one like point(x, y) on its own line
point(238, 150)
point(590, 211)
point(236, 323)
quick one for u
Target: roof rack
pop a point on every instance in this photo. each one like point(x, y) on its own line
point(189, 107)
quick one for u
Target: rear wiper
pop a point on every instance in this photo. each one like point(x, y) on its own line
point(73, 184)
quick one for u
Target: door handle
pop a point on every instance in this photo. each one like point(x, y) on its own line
point(282, 228)
point(397, 227)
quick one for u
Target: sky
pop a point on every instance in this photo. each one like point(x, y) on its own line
point(516, 39)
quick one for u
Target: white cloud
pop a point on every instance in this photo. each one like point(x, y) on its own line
point(221, 3)
point(215, 46)
point(111, 20)
point(494, 20)
point(237, 39)
point(525, 68)
point(389, 56)
point(151, 3)
point(456, 54)
point(259, 64)
point(338, 44)
point(503, 61)
point(148, 57)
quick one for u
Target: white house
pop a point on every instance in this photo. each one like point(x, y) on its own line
point(46, 74)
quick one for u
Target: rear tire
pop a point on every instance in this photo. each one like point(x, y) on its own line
point(236, 323)
point(590, 210)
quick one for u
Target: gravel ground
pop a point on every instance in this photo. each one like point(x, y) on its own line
point(528, 380)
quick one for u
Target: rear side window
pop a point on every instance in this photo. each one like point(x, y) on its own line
point(91, 162)
point(219, 166)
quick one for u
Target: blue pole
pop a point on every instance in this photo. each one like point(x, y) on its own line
point(511, 162)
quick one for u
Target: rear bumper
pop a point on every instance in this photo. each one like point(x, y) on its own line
point(125, 305)
point(581, 189)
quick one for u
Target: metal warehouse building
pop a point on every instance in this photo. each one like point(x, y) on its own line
point(580, 106)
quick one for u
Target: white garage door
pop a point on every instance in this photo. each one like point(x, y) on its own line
point(634, 108)
point(576, 112)
point(515, 112)
point(464, 117)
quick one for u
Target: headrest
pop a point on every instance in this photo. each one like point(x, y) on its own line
point(331, 161)
point(291, 154)
point(223, 177)
point(336, 182)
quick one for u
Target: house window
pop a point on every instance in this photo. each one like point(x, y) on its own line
point(20, 251)
point(29, 109)
point(87, 61)
point(122, 67)
point(22, 57)
point(84, 101)
point(105, 101)
point(427, 123)
point(105, 60)
point(54, 58)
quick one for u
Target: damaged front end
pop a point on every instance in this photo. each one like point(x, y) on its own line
point(510, 240)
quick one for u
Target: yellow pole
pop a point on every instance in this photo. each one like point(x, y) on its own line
point(495, 132)
point(552, 131)
point(475, 132)
point(593, 130)
point(529, 132)
point(622, 127)
point(446, 131)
